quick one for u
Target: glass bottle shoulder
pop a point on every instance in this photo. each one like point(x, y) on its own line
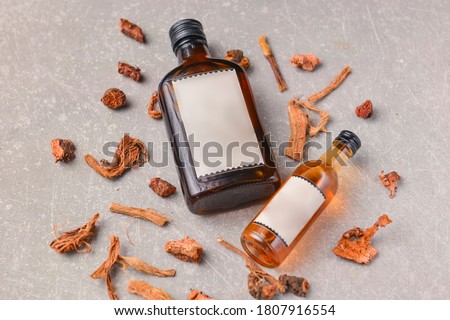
point(206, 65)
point(323, 176)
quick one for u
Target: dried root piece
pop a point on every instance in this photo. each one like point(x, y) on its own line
point(134, 73)
point(263, 286)
point(258, 286)
point(306, 62)
point(186, 249)
point(146, 214)
point(151, 110)
point(198, 295)
point(114, 98)
point(324, 118)
point(332, 86)
point(63, 150)
point(161, 187)
point(302, 127)
point(130, 153)
point(273, 63)
point(103, 272)
point(296, 285)
point(143, 266)
point(131, 30)
point(390, 181)
point(365, 110)
point(356, 244)
point(238, 57)
point(298, 122)
point(148, 292)
point(75, 239)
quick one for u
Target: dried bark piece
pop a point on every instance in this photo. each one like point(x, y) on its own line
point(130, 153)
point(332, 86)
point(143, 266)
point(151, 109)
point(63, 150)
point(306, 62)
point(134, 73)
point(237, 56)
point(198, 295)
point(80, 237)
point(161, 187)
point(146, 214)
point(390, 181)
point(365, 110)
point(296, 285)
point(261, 285)
point(114, 98)
point(103, 272)
point(148, 292)
point(298, 123)
point(360, 250)
point(186, 249)
point(131, 30)
point(273, 63)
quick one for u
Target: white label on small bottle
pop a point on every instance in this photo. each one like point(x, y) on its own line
point(216, 119)
point(291, 208)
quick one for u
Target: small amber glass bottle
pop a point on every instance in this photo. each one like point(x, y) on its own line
point(223, 158)
point(287, 216)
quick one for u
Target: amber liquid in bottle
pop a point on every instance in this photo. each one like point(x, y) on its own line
point(212, 99)
point(288, 215)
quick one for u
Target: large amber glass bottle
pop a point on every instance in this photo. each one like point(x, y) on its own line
point(223, 158)
point(287, 216)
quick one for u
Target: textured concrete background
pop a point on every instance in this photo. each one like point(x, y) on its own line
point(58, 58)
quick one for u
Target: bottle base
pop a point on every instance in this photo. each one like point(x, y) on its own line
point(259, 250)
point(232, 197)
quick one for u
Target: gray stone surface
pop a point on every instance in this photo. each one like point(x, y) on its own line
point(57, 59)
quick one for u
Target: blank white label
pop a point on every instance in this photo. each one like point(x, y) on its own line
point(291, 208)
point(214, 111)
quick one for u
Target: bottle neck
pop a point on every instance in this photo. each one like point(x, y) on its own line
point(336, 156)
point(192, 52)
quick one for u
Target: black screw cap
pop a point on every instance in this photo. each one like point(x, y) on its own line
point(350, 139)
point(184, 31)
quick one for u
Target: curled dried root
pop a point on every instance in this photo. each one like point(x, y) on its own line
point(130, 153)
point(75, 239)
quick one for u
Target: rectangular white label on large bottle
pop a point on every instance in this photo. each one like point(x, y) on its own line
point(291, 208)
point(216, 119)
